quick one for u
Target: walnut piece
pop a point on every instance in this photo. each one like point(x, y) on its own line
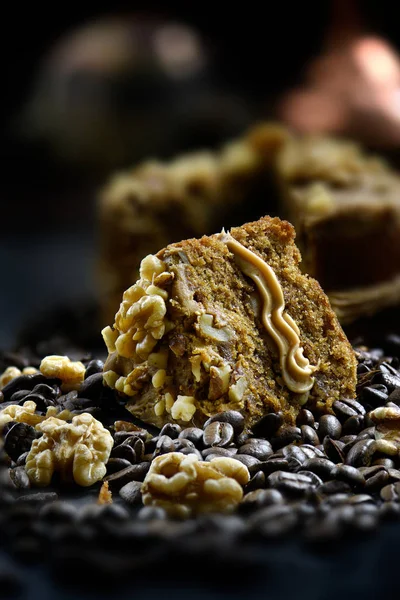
point(78, 450)
point(387, 429)
point(13, 372)
point(71, 373)
point(27, 414)
point(183, 485)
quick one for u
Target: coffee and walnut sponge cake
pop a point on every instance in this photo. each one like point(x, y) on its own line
point(227, 322)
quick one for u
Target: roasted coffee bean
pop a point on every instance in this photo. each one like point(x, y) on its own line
point(349, 474)
point(373, 396)
point(19, 440)
point(273, 521)
point(189, 450)
point(385, 462)
point(58, 512)
point(285, 436)
point(333, 449)
point(131, 493)
point(312, 451)
point(150, 513)
point(38, 498)
point(305, 417)
point(274, 464)
point(387, 376)
point(20, 478)
point(172, 430)
point(292, 484)
point(230, 452)
point(362, 369)
point(258, 499)
point(309, 435)
point(333, 486)
point(193, 434)
point(20, 396)
point(24, 382)
point(47, 391)
point(260, 449)
point(255, 483)
point(360, 455)
point(268, 425)
point(391, 492)
point(390, 511)
point(92, 387)
point(316, 481)
point(181, 444)
point(348, 441)
point(353, 425)
point(121, 436)
point(218, 433)
point(320, 466)
point(22, 459)
point(252, 463)
point(93, 367)
point(347, 407)
point(124, 451)
point(117, 464)
point(164, 445)
point(329, 425)
point(131, 473)
point(367, 434)
point(395, 397)
point(136, 444)
point(376, 478)
point(296, 452)
point(232, 417)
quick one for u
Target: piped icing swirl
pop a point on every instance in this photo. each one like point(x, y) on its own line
point(296, 368)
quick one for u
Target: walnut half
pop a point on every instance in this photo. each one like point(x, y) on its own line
point(78, 450)
point(183, 485)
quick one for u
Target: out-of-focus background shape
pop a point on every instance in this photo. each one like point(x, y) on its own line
point(86, 92)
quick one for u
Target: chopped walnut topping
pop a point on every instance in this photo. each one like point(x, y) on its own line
point(237, 390)
point(219, 381)
point(71, 373)
point(205, 327)
point(183, 408)
point(183, 485)
point(105, 495)
point(78, 450)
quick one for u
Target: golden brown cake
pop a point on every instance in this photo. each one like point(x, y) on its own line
point(227, 322)
point(157, 203)
point(345, 206)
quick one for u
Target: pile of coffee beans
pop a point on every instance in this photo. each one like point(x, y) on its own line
point(324, 478)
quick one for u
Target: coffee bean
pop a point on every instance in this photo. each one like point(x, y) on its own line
point(121, 436)
point(20, 478)
point(309, 435)
point(252, 463)
point(22, 459)
point(194, 434)
point(268, 425)
point(362, 369)
point(125, 452)
point(92, 387)
point(164, 445)
point(217, 451)
point(360, 455)
point(394, 474)
point(19, 396)
point(391, 492)
point(333, 449)
point(131, 473)
point(347, 407)
point(374, 395)
point(334, 486)
point(136, 444)
point(316, 481)
point(305, 417)
point(258, 448)
point(258, 499)
point(273, 521)
point(218, 433)
point(395, 397)
point(131, 493)
point(93, 367)
point(329, 425)
point(376, 478)
point(285, 435)
point(243, 438)
point(172, 430)
point(367, 434)
point(24, 382)
point(353, 425)
point(49, 392)
point(58, 512)
point(390, 511)
point(292, 484)
point(38, 498)
point(231, 417)
point(387, 376)
point(150, 513)
point(349, 474)
point(320, 466)
point(385, 462)
point(255, 483)
point(312, 451)
point(272, 465)
point(117, 464)
point(19, 440)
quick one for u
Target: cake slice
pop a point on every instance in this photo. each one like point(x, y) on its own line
point(227, 322)
point(345, 206)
